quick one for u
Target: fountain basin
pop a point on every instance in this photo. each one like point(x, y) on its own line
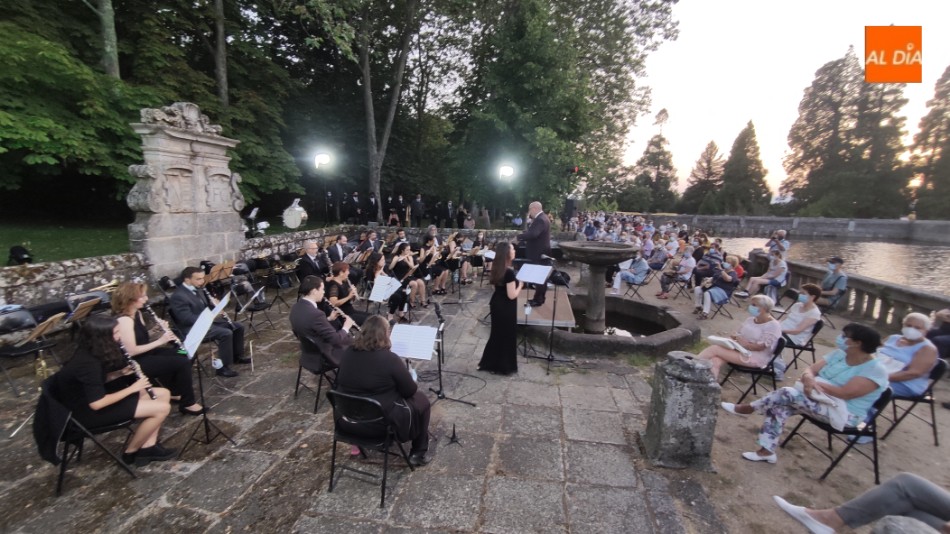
point(598, 256)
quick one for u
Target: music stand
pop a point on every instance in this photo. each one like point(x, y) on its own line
point(383, 288)
point(550, 357)
point(194, 339)
point(531, 274)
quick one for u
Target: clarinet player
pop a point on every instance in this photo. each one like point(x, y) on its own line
point(187, 303)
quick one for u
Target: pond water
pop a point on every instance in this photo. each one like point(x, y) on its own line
point(921, 266)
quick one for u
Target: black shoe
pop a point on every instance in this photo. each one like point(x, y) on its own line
point(155, 453)
point(196, 413)
point(128, 458)
point(535, 303)
point(242, 360)
point(946, 405)
point(226, 372)
point(418, 459)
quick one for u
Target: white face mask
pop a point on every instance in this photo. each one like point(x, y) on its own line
point(911, 333)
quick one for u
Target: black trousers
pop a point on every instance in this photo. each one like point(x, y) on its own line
point(230, 341)
point(540, 290)
point(171, 369)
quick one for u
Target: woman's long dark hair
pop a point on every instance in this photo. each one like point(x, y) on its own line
point(501, 263)
point(97, 339)
point(373, 267)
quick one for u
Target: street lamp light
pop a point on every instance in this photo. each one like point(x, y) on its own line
point(321, 159)
point(505, 172)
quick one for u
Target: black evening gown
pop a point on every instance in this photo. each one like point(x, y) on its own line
point(501, 351)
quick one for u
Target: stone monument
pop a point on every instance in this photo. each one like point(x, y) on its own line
point(186, 199)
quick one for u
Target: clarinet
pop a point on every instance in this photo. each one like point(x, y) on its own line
point(176, 341)
point(136, 369)
point(223, 313)
point(339, 311)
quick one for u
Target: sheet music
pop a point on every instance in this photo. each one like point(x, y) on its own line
point(624, 265)
point(534, 274)
point(198, 332)
point(489, 254)
point(414, 341)
point(383, 288)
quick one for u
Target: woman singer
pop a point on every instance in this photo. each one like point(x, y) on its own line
point(341, 293)
point(91, 386)
point(501, 351)
point(158, 360)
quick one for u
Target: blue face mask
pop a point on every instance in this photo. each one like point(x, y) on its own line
point(832, 266)
point(840, 342)
point(803, 298)
point(753, 310)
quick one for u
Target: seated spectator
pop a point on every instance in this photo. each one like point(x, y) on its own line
point(906, 495)
point(657, 259)
point(636, 273)
point(778, 243)
point(835, 284)
point(940, 333)
point(917, 354)
point(798, 322)
point(850, 373)
point(758, 335)
point(740, 270)
point(683, 271)
point(724, 282)
point(775, 276)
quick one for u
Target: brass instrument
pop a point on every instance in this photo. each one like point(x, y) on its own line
point(165, 329)
point(211, 302)
point(339, 311)
point(108, 288)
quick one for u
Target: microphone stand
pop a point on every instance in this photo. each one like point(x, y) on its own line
point(440, 357)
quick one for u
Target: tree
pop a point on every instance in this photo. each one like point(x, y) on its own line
point(931, 154)
point(744, 190)
point(705, 180)
point(110, 41)
point(655, 172)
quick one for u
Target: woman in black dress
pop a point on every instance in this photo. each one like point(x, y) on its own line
point(375, 266)
point(158, 360)
point(501, 351)
point(341, 294)
point(94, 385)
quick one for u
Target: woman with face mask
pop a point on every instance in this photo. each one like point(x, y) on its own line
point(758, 335)
point(850, 373)
point(778, 271)
point(917, 354)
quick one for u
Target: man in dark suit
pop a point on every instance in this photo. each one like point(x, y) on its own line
point(187, 303)
point(537, 239)
point(372, 209)
point(354, 209)
point(338, 252)
point(321, 344)
point(418, 211)
point(312, 263)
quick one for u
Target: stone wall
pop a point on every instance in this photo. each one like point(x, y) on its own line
point(805, 227)
point(38, 283)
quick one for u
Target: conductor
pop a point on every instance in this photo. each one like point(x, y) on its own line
point(537, 240)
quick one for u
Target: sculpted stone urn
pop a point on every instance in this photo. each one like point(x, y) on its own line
point(598, 256)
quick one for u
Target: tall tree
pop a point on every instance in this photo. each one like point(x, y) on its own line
point(655, 172)
point(931, 154)
point(110, 41)
point(705, 180)
point(744, 190)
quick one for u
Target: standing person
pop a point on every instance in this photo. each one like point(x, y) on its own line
point(501, 351)
point(88, 385)
point(418, 209)
point(537, 243)
point(372, 208)
point(187, 303)
point(371, 369)
point(157, 358)
point(324, 343)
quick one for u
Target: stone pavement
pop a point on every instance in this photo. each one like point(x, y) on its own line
point(540, 452)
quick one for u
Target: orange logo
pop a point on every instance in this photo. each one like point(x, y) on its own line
point(892, 54)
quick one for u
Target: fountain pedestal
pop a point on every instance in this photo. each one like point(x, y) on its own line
point(598, 256)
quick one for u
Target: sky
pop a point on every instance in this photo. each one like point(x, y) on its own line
point(742, 60)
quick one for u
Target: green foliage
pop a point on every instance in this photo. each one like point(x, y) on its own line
point(705, 180)
point(744, 191)
point(655, 173)
point(931, 154)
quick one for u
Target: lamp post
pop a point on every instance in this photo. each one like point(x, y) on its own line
point(323, 158)
point(505, 172)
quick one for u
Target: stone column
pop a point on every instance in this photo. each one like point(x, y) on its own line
point(683, 409)
point(186, 199)
point(596, 313)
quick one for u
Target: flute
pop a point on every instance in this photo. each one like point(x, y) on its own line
point(223, 313)
point(161, 324)
point(136, 369)
point(339, 311)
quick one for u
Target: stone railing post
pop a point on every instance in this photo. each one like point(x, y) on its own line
point(683, 409)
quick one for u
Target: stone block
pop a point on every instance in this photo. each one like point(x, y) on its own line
point(682, 417)
point(893, 524)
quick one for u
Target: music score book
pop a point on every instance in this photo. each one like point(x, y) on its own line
point(413, 341)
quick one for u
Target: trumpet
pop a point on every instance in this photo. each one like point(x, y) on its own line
point(223, 313)
point(339, 311)
point(108, 288)
point(165, 329)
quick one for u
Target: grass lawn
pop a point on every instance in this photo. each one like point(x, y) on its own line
point(64, 241)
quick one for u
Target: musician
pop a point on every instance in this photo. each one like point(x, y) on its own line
point(452, 256)
point(322, 345)
point(312, 262)
point(338, 252)
point(371, 369)
point(156, 358)
point(418, 210)
point(400, 237)
point(371, 242)
point(431, 263)
point(476, 260)
point(375, 266)
point(341, 293)
point(537, 240)
point(94, 387)
point(401, 265)
point(433, 232)
point(187, 303)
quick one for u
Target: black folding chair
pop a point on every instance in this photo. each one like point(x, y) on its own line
point(54, 424)
point(351, 412)
point(249, 302)
point(683, 287)
point(927, 397)
point(633, 290)
point(808, 346)
point(33, 344)
point(848, 435)
point(326, 371)
point(756, 373)
point(778, 311)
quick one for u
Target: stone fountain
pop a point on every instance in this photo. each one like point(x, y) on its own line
point(598, 256)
